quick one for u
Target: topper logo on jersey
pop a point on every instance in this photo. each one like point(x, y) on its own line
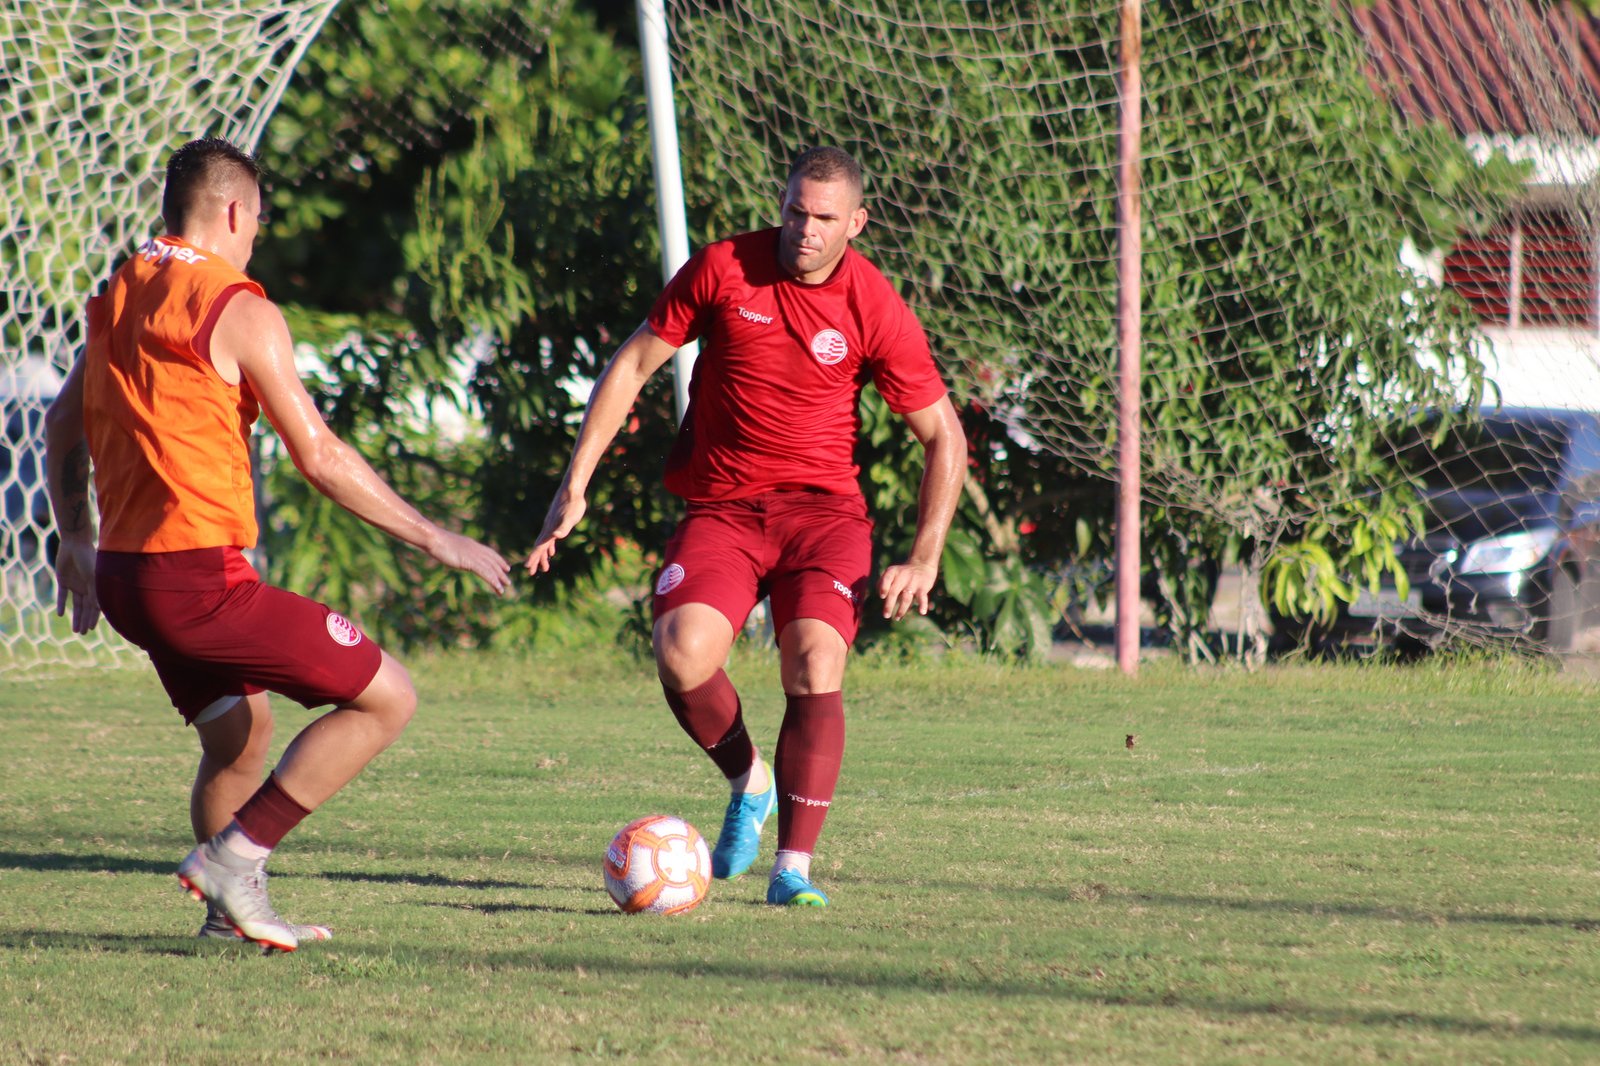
point(754, 316)
point(342, 630)
point(844, 590)
point(829, 347)
point(670, 579)
point(161, 252)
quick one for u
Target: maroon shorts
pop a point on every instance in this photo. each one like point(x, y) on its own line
point(810, 552)
point(214, 629)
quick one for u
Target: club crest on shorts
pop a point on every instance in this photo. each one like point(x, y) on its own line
point(342, 630)
point(829, 346)
point(670, 579)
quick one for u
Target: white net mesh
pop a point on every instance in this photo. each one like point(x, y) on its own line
point(1298, 306)
point(1282, 195)
point(94, 96)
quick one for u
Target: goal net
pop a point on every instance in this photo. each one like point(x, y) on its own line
point(1355, 216)
point(94, 97)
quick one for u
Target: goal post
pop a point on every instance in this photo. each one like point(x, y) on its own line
point(1287, 331)
point(1348, 216)
point(94, 97)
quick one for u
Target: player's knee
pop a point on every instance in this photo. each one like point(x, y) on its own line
point(691, 644)
point(405, 707)
point(813, 672)
point(685, 661)
point(681, 670)
point(813, 660)
point(390, 696)
point(403, 704)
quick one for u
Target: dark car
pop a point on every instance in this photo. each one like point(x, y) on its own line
point(1511, 545)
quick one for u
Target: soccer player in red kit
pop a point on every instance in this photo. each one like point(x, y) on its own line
point(793, 322)
point(183, 352)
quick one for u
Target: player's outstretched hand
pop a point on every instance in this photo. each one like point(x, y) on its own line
point(75, 583)
point(464, 553)
point(905, 586)
point(562, 518)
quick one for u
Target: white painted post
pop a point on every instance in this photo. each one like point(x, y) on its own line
point(670, 214)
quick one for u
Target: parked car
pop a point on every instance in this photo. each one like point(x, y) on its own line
point(1511, 544)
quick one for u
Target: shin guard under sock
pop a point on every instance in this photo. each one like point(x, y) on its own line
point(713, 717)
point(810, 750)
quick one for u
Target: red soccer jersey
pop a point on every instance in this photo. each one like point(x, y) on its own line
point(773, 403)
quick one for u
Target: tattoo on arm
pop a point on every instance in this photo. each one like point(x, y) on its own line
point(75, 482)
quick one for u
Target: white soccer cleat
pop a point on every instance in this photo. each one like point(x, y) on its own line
point(239, 892)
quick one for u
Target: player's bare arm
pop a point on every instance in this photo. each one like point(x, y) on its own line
point(618, 386)
point(944, 448)
point(252, 340)
point(67, 479)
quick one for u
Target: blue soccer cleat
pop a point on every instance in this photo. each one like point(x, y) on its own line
point(740, 838)
point(790, 889)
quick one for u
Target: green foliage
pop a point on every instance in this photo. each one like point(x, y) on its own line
point(317, 547)
point(482, 170)
point(1281, 335)
point(993, 591)
point(509, 244)
point(1308, 578)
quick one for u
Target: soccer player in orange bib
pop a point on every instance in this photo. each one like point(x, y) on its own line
point(793, 321)
point(183, 352)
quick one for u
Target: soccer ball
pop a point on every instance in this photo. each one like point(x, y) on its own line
point(659, 864)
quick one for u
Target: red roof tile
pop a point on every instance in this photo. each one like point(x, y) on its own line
point(1517, 67)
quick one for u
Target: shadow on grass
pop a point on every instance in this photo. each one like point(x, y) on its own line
point(811, 977)
point(178, 945)
point(120, 864)
point(808, 978)
point(1080, 990)
point(1344, 910)
point(525, 908)
point(57, 861)
point(423, 880)
point(1083, 894)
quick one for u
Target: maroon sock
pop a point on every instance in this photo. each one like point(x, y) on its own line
point(712, 715)
point(267, 817)
point(810, 749)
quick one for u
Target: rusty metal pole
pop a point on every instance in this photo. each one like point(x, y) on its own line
point(1129, 252)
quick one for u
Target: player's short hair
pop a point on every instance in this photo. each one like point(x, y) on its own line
point(201, 166)
point(825, 163)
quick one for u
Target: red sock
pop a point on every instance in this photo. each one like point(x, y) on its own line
point(810, 749)
point(267, 817)
point(713, 716)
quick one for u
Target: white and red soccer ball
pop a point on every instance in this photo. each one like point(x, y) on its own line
point(658, 864)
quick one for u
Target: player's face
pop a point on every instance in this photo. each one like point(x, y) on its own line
point(819, 218)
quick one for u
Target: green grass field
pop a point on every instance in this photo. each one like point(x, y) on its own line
point(1314, 864)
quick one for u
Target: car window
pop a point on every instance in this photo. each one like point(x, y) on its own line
point(1499, 454)
point(1583, 460)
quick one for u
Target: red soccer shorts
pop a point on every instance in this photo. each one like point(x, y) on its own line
point(214, 629)
point(810, 552)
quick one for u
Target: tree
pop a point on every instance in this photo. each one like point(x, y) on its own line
point(1283, 340)
point(463, 227)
